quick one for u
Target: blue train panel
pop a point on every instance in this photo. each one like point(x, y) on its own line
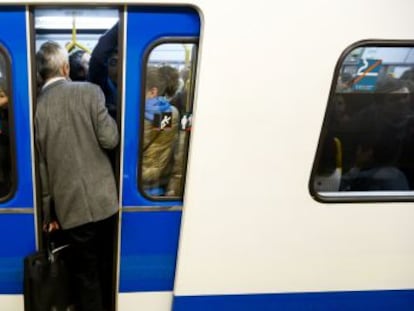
point(149, 244)
point(144, 27)
point(17, 240)
point(396, 300)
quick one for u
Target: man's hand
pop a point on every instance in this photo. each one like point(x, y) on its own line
point(51, 226)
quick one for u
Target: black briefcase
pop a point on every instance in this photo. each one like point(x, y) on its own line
point(47, 281)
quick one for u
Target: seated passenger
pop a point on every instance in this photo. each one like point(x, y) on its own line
point(375, 167)
point(160, 134)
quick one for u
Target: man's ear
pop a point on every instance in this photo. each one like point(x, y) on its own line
point(66, 70)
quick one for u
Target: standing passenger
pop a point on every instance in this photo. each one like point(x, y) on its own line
point(79, 65)
point(103, 67)
point(72, 129)
point(103, 71)
point(160, 133)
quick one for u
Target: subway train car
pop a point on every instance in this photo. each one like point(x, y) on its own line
point(290, 176)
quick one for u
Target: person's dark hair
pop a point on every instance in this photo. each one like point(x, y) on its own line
point(385, 88)
point(408, 75)
point(77, 71)
point(389, 84)
point(49, 60)
point(170, 75)
point(153, 79)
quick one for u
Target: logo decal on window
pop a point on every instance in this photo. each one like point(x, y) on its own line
point(163, 120)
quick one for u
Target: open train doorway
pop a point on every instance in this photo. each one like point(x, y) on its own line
point(92, 39)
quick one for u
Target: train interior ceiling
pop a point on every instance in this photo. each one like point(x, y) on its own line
point(81, 27)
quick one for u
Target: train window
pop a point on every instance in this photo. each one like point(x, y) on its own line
point(6, 171)
point(366, 147)
point(167, 116)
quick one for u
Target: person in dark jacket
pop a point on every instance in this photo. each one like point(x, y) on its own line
point(72, 129)
point(103, 67)
point(103, 71)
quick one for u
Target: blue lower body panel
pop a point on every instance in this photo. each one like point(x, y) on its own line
point(17, 240)
point(390, 300)
point(149, 244)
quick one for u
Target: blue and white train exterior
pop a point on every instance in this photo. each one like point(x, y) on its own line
point(248, 234)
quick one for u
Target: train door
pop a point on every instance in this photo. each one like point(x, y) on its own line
point(90, 36)
point(161, 45)
point(17, 223)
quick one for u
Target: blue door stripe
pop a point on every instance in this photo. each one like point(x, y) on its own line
point(388, 300)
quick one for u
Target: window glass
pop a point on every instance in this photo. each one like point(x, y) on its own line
point(366, 148)
point(167, 119)
point(5, 149)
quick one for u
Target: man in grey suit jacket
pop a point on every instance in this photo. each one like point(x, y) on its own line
point(72, 128)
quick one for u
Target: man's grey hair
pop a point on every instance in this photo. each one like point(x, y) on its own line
point(50, 58)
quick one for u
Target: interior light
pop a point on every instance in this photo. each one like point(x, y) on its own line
point(81, 22)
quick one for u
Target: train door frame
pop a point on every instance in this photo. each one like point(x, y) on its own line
point(119, 120)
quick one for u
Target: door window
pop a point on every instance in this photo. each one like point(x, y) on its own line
point(167, 119)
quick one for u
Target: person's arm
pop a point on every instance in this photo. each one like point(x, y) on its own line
point(105, 126)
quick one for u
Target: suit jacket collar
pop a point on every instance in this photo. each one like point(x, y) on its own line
point(53, 84)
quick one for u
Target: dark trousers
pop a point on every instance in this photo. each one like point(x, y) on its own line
point(91, 263)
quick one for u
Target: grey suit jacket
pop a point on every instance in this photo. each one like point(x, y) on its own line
point(72, 127)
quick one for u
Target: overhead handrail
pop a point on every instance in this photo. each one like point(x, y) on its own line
point(74, 43)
